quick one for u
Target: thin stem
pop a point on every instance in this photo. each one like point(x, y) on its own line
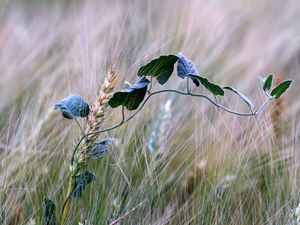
point(263, 106)
point(193, 95)
point(221, 106)
point(188, 90)
point(216, 99)
point(78, 124)
point(150, 85)
point(67, 203)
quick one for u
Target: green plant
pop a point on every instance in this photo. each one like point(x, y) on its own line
point(133, 98)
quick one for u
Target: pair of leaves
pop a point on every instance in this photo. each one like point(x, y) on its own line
point(101, 148)
point(49, 216)
point(80, 183)
point(73, 106)
point(187, 69)
point(278, 90)
point(131, 97)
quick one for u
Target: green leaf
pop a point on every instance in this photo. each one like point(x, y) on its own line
point(242, 96)
point(161, 68)
point(130, 97)
point(213, 88)
point(268, 82)
point(281, 88)
point(80, 183)
point(49, 216)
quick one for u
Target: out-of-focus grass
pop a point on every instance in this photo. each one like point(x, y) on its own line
point(208, 167)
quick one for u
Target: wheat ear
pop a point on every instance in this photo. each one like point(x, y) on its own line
point(97, 115)
point(98, 110)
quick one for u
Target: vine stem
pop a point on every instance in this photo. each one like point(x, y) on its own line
point(80, 127)
point(262, 106)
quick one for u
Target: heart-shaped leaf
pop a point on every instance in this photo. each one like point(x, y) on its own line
point(101, 148)
point(73, 106)
point(186, 68)
point(130, 97)
point(281, 88)
point(161, 68)
point(80, 183)
point(242, 96)
point(49, 216)
point(268, 82)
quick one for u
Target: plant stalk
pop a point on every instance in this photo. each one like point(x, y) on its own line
point(67, 204)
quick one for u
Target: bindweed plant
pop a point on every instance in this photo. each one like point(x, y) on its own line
point(133, 98)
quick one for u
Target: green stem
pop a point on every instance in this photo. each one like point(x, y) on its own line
point(78, 124)
point(67, 204)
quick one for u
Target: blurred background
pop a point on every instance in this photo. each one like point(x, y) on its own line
point(181, 160)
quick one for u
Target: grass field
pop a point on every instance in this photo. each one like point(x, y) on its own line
point(181, 160)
